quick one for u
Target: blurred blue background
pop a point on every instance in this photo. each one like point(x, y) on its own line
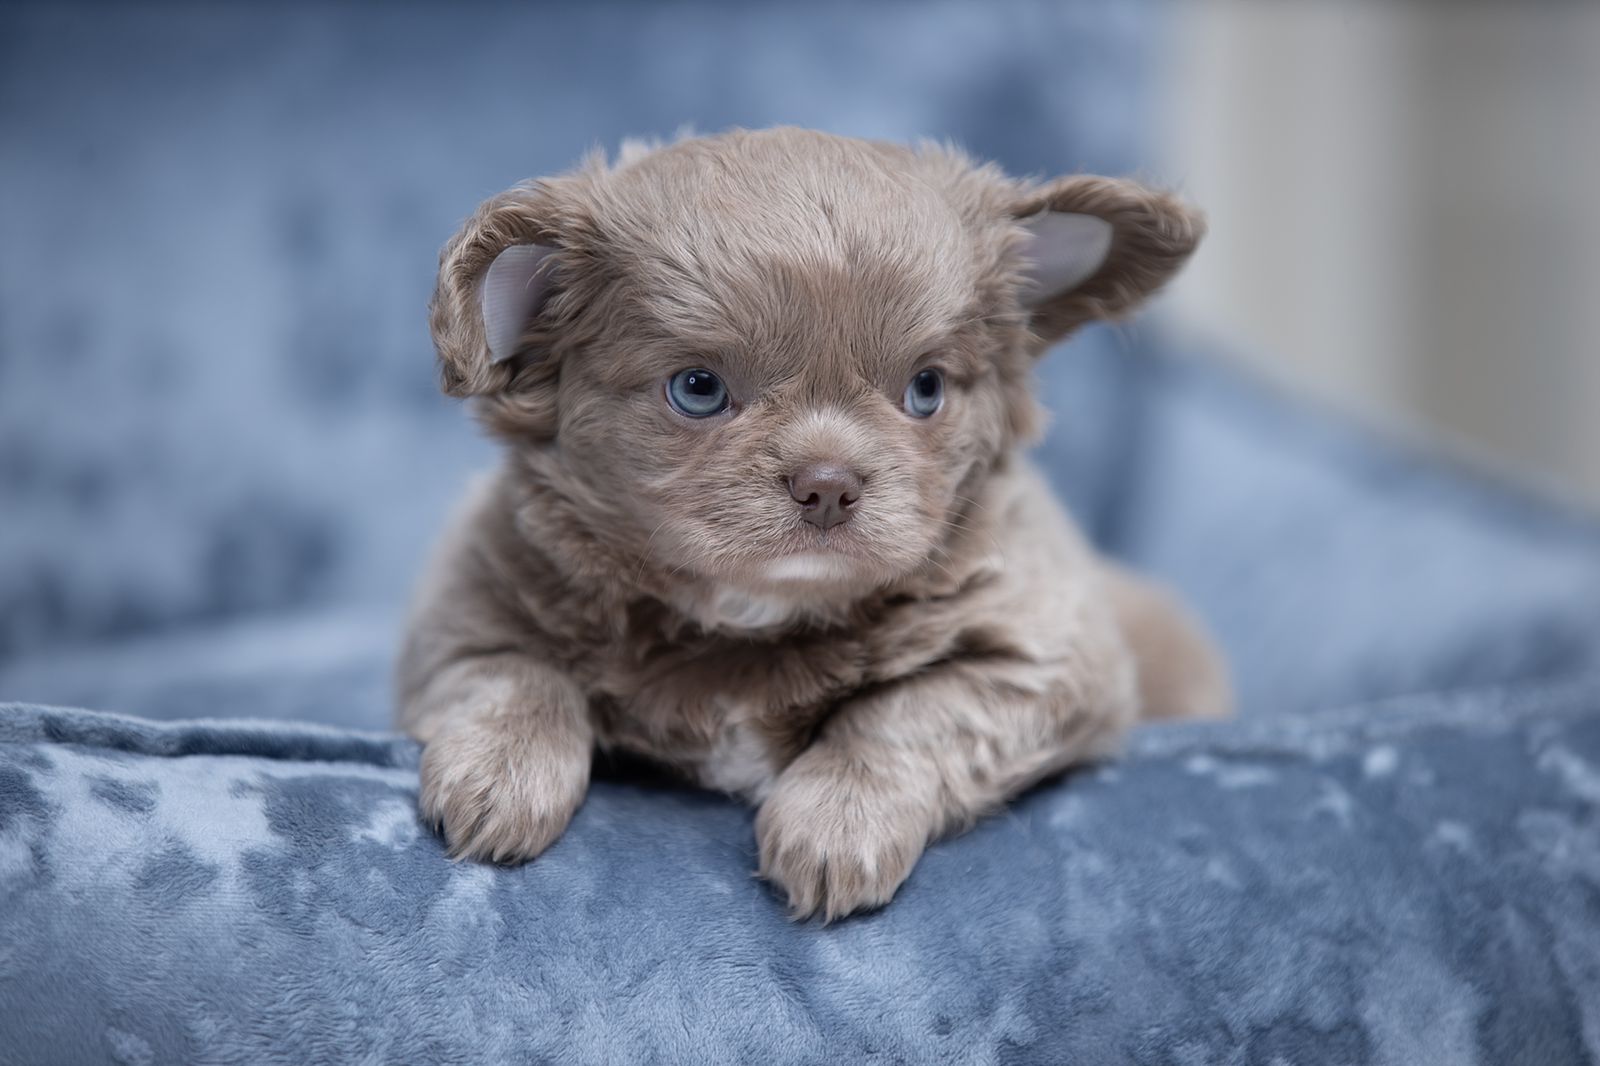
point(221, 225)
point(222, 449)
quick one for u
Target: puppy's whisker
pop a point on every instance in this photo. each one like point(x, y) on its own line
point(970, 502)
point(962, 522)
point(644, 554)
point(949, 573)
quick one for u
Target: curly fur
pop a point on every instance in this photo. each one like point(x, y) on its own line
point(637, 581)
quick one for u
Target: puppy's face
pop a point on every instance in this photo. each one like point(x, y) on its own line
point(781, 362)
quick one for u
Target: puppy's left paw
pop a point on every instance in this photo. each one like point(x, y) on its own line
point(499, 789)
point(838, 837)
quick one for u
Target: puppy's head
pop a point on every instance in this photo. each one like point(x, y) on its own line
point(781, 362)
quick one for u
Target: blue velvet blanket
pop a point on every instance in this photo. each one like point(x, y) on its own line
point(1412, 883)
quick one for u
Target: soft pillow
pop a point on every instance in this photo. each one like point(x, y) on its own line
point(1410, 883)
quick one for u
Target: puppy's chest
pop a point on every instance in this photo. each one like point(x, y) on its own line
point(732, 712)
point(729, 714)
point(743, 757)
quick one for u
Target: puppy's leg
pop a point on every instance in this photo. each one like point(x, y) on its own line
point(506, 762)
point(892, 770)
point(1181, 673)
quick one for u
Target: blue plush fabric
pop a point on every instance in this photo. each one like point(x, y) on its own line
point(1410, 883)
point(222, 452)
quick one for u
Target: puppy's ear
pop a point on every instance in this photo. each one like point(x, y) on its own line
point(513, 292)
point(496, 278)
point(1096, 248)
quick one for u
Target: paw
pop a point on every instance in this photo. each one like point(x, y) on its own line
point(837, 837)
point(499, 789)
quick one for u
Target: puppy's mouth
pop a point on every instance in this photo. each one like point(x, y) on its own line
point(844, 555)
point(784, 554)
point(819, 564)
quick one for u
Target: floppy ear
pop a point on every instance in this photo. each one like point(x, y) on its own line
point(1097, 248)
point(496, 277)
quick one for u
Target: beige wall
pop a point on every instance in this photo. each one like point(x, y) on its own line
point(1405, 207)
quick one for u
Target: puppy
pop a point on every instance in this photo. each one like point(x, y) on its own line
point(763, 516)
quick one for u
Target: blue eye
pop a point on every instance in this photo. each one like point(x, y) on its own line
point(697, 393)
point(925, 394)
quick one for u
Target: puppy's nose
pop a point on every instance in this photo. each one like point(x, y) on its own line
point(826, 492)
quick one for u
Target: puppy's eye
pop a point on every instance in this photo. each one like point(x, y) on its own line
point(925, 394)
point(697, 393)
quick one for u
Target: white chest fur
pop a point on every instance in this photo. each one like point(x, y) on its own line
point(739, 761)
point(733, 608)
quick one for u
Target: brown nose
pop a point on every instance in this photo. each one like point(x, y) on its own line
point(826, 493)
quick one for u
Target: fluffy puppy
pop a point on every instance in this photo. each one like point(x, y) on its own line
point(763, 516)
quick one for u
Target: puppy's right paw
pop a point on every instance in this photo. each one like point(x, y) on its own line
point(499, 789)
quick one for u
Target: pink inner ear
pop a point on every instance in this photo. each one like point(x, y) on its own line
point(1063, 251)
point(513, 290)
